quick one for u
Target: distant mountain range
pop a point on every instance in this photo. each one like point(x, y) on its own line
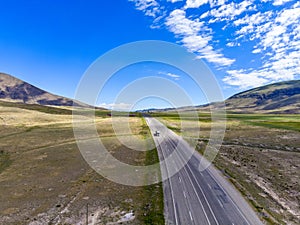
point(18, 91)
point(282, 97)
point(277, 98)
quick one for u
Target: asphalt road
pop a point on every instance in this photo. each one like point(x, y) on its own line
point(193, 195)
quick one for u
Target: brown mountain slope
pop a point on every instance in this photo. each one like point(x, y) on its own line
point(281, 97)
point(15, 90)
point(277, 98)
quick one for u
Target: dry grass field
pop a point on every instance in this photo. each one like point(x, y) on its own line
point(260, 155)
point(45, 180)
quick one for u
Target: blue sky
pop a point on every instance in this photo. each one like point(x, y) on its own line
point(245, 43)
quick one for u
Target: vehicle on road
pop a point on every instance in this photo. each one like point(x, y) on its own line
point(156, 133)
point(194, 193)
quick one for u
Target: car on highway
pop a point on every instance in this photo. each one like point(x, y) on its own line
point(156, 133)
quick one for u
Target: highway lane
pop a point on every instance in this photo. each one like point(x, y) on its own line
point(193, 195)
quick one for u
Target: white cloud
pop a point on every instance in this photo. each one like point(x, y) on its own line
point(149, 7)
point(277, 39)
point(217, 58)
point(284, 66)
point(175, 76)
point(252, 78)
point(144, 4)
point(270, 27)
point(195, 36)
point(233, 44)
point(195, 3)
point(198, 3)
point(228, 11)
point(257, 50)
point(117, 106)
point(172, 75)
point(244, 80)
point(280, 2)
point(214, 3)
point(196, 43)
point(180, 25)
point(173, 1)
point(254, 19)
point(230, 44)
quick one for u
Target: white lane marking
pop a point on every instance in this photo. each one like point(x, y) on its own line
point(172, 196)
point(170, 183)
point(151, 121)
point(209, 186)
point(197, 197)
point(210, 209)
point(195, 191)
point(220, 203)
point(191, 215)
point(183, 190)
point(235, 205)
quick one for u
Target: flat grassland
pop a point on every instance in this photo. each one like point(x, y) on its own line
point(260, 155)
point(45, 180)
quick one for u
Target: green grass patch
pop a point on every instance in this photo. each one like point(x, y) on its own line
point(4, 161)
point(168, 115)
point(263, 117)
point(153, 209)
point(175, 129)
point(102, 113)
point(278, 125)
point(202, 117)
point(286, 122)
point(109, 113)
point(39, 108)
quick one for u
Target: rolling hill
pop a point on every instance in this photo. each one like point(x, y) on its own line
point(281, 97)
point(277, 98)
point(18, 91)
